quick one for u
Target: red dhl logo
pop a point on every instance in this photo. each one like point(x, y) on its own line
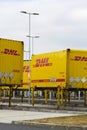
point(26, 69)
point(42, 62)
point(10, 52)
point(80, 58)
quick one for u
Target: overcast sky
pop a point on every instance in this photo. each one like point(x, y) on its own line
point(61, 24)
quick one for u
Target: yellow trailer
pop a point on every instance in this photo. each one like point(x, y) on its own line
point(66, 68)
point(26, 73)
point(64, 71)
point(11, 62)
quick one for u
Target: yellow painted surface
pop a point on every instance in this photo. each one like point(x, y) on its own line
point(11, 62)
point(77, 69)
point(25, 75)
point(49, 69)
point(67, 68)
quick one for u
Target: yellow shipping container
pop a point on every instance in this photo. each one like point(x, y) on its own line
point(66, 68)
point(26, 73)
point(11, 62)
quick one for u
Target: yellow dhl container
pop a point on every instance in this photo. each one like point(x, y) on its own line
point(26, 74)
point(66, 68)
point(11, 62)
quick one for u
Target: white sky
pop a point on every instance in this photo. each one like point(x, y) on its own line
point(61, 24)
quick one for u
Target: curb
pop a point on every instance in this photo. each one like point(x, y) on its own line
point(59, 126)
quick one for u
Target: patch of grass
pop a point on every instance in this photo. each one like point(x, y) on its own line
point(71, 120)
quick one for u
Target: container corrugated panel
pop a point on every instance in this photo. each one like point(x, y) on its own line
point(25, 75)
point(67, 68)
point(49, 69)
point(11, 62)
point(77, 68)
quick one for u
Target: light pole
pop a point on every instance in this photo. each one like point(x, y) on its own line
point(26, 54)
point(29, 14)
point(33, 42)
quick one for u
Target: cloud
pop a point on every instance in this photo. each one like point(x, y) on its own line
point(61, 24)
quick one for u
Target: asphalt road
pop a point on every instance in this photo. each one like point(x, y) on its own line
point(25, 127)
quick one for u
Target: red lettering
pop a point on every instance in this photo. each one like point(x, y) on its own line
point(84, 59)
point(10, 52)
point(79, 58)
point(38, 61)
point(15, 52)
point(42, 62)
point(6, 51)
point(26, 69)
point(46, 60)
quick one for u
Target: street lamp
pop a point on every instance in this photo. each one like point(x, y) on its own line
point(33, 42)
point(26, 54)
point(29, 14)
